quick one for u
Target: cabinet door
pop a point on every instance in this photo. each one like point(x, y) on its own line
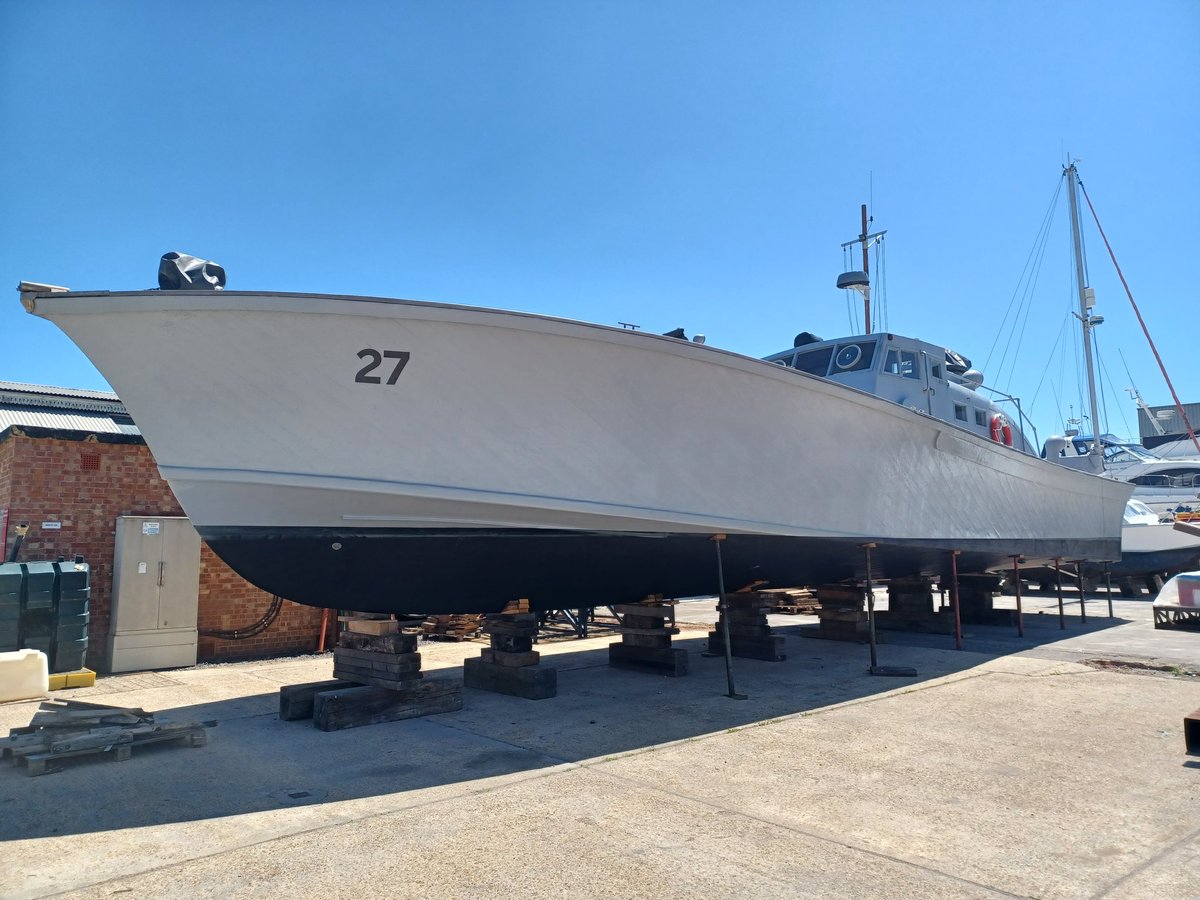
point(135, 575)
point(179, 592)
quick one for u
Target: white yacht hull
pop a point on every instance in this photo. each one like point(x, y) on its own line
point(522, 456)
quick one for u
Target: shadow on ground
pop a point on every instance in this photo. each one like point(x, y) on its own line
point(254, 762)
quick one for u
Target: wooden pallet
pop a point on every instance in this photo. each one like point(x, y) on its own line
point(65, 729)
point(451, 628)
point(791, 601)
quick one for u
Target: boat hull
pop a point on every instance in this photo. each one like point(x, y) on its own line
point(446, 571)
point(463, 457)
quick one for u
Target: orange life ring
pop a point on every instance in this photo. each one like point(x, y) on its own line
point(1001, 431)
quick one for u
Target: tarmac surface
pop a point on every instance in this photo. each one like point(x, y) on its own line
point(1014, 767)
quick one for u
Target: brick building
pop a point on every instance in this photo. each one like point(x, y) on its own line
point(73, 461)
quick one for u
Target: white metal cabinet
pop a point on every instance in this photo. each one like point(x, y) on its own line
point(156, 587)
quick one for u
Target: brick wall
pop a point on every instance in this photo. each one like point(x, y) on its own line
point(228, 603)
point(6, 457)
point(85, 485)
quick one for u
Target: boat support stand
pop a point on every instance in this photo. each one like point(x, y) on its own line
point(1017, 585)
point(876, 669)
point(954, 599)
point(1082, 593)
point(723, 609)
point(1062, 620)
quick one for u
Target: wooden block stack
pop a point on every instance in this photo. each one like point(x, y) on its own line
point(976, 594)
point(62, 729)
point(377, 678)
point(511, 665)
point(451, 628)
point(646, 639)
point(911, 608)
point(842, 613)
point(387, 660)
point(749, 634)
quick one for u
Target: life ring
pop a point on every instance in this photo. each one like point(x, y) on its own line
point(1001, 430)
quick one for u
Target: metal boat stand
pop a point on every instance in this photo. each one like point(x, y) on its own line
point(954, 600)
point(723, 610)
point(1062, 620)
point(876, 669)
point(580, 620)
point(1082, 592)
point(1017, 585)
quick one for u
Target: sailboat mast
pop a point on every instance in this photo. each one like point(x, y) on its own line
point(866, 271)
point(1086, 299)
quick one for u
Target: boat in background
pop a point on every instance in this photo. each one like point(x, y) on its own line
point(1167, 486)
point(412, 457)
point(1162, 484)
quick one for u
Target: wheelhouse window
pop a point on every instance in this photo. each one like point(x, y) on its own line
point(981, 418)
point(902, 363)
point(1174, 478)
point(853, 357)
point(815, 362)
point(960, 412)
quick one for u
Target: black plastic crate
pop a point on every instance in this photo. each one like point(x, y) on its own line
point(73, 580)
point(69, 656)
point(11, 576)
point(73, 629)
point(40, 583)
point(68, 609)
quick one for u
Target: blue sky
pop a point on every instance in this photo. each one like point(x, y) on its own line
point(671, 164)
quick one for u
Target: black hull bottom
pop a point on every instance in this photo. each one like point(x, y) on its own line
point(463, 571)
point(1155, 563)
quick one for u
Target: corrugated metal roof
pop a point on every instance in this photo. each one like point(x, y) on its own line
point(95, 423)
point(14, 395)
point(63, 409)
point(18, 387)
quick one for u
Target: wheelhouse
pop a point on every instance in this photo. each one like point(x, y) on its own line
point(912, 373)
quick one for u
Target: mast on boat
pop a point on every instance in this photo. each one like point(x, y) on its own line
point(861, 280)
point(1087, 300)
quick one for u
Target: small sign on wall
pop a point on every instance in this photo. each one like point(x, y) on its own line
point(51, 526)
point(151, 527)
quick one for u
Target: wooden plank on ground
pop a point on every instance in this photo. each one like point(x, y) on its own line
point(352, 707)
point(296, 700)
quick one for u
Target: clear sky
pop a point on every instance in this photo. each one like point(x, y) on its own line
point(692, 164)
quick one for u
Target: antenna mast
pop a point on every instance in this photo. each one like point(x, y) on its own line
point(866, 271)
point(861, 281)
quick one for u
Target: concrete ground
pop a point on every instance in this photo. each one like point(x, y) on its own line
point(1010, 768)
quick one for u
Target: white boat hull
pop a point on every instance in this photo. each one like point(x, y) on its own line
point(502, 425)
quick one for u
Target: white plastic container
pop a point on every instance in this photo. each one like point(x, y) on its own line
point(24, 675)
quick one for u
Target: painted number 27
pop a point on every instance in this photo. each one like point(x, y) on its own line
point(375, 358)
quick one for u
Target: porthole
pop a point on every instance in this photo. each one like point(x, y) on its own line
point(848, 356)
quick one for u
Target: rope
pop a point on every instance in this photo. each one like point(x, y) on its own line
point(1128, 293)
point(1104, 376)
point(1029, 277)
